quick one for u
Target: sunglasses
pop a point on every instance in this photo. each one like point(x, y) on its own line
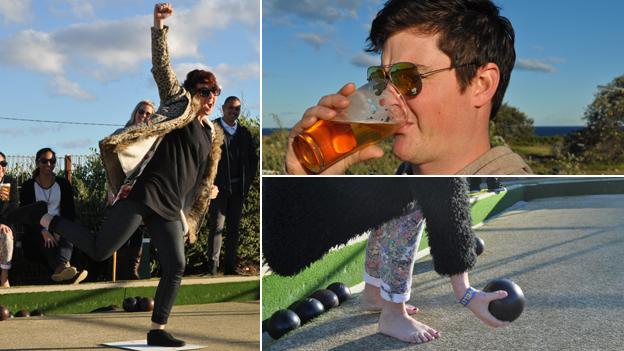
point(46, 161)
point(205, 92)
point(403, 75)
point(144, 112)
point(3, 163)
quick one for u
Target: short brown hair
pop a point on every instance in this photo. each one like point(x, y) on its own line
point(198, 76)
point(472, 31)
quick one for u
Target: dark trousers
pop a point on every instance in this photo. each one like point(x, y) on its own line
point(122, 221)
point(53, 256)
point(225, 209)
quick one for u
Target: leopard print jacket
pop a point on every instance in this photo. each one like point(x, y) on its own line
point(175, 111)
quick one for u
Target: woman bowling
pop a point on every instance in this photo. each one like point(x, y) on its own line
point(162, 172)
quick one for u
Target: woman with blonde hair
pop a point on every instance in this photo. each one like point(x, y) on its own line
point(141, 113)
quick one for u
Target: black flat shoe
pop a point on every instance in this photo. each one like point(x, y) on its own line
point(29, 214)
point(159, 337)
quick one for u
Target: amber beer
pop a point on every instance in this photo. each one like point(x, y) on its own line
point(5, 191)
point(326, 142)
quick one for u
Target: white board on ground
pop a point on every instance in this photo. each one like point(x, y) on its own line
point(141, 345)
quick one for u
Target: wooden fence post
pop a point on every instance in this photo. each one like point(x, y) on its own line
point(68, 168)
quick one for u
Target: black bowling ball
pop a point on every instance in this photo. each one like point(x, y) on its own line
point(307, 309)
point(22, 313)
point(146, 304)
point(4, 313)
point(479, 246)
point(342, 291)
point(36, 313)
point(130, 304)
point(327, 297)
point(509, 308)
point(281, 322)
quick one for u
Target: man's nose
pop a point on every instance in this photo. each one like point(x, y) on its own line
point(395, 102)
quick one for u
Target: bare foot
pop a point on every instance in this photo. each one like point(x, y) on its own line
point(405, 328)
point(371, 300)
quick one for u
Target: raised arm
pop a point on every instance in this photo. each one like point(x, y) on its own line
point(168, 85)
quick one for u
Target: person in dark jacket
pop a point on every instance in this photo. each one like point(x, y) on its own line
point(39, 243)
point(237, 169)
point(304, 217)
point(8, 202)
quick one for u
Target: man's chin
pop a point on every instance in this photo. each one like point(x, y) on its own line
point(402, 148)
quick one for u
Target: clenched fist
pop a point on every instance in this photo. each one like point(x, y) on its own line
point(161, 12)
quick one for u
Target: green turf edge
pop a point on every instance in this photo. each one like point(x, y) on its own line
point(279, 292)
point(344, 265)
point(489, 207)
point(84, 301)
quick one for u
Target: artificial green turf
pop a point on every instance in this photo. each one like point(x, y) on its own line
point(83, 301)
point(345, 265)
point(495, 204)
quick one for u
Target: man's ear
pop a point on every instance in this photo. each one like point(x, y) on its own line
point(484, 84)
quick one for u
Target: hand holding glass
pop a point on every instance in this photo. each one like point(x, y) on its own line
point(374, 113)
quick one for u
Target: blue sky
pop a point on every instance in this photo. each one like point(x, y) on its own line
point(565, 49)
point(89, 61)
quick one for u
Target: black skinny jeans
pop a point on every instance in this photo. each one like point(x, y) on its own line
point(121, 222)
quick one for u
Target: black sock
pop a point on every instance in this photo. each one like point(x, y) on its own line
point(159, 337)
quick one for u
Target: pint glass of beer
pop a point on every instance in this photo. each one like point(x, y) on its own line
point(374, 113)
point(5, 191)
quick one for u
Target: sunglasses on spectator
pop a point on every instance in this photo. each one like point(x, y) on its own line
point(205, 92)
point(403, 75)
point(144, 112)
point(46, 161)
point(3, 163)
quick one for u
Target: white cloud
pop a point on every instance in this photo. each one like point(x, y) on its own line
point(316, 40)
point(32, 50)
point(61, 86)
point(15, 11)
point(109, 49)
point(535, 65)
point(364, 60)
point(328, 11)
point(224, 72)
point(117, 46)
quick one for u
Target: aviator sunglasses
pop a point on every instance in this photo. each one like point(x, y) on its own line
point(403, 75)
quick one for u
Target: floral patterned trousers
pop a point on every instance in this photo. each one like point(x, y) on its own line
point(390, 255)
point(6, 251)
